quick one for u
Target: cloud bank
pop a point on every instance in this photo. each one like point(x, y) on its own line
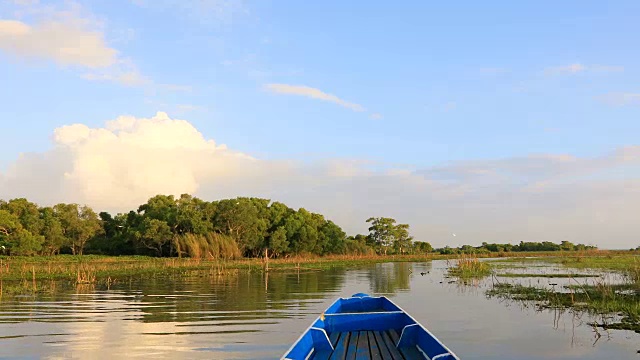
point(537, 197)
point(65, 43)
point(71, 36)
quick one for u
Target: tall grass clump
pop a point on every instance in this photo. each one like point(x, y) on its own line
point(210, 246)
point(634, 274)
point(469, 266)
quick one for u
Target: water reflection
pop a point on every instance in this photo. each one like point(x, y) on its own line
point(390, 278)
point(255, 315)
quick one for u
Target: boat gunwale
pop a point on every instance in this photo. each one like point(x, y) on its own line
point(400, 311)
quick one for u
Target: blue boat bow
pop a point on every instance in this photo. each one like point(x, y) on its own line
point(366, 327)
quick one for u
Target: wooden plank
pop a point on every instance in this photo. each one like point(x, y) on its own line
point(394, 336)
point(384, 351)
point(411, 352)
point(374, 350)
point(362, 349)
point(351, 347)
point(341, 345)
point(321, 355)
point(393, 350)
point(334, 338)
point(325, 354)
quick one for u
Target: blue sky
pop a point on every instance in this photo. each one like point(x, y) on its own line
point(416, 85)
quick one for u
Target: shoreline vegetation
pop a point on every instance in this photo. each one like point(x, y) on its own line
point(229, 229)
point(616, 306)
point(68, 245)
point(72, 267)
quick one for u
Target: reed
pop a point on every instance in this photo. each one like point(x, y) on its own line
point(210, 246)
point(598, 299)
point(469, 266)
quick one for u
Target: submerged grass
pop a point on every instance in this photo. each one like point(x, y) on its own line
point(596, 259)
point(91, 268)
point(621, 300)
point(599, 299)
point(525, 275)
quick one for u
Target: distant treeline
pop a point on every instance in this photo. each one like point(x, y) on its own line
point(523, 246)
point(232, 228)
point(188, 226)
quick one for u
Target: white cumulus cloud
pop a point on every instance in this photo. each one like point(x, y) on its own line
point(538, 197)
point(122, 164)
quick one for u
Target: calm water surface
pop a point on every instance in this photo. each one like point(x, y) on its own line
point(258, 316)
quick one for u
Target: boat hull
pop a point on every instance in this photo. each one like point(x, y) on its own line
point(365, 327)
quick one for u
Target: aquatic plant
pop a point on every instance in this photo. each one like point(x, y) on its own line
point(603, 299)
point(469, 266)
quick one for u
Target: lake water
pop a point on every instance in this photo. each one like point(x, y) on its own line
point(257, 316)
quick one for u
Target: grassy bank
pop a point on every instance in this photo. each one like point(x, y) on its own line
point(74, 267)
point(92, 267)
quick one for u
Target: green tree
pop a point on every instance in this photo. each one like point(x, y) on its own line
point(333, 238)
point(155, 235)
point(79, 224)
point(27, 212)
point(402, 239)
point(567, 246)
point(239, 219)
point(422, 247)
point(52, 231)
point(278, 243)
point(161, 207)
point(382, 231)
point(193, 216)
point(115, 239)
point(15, 238)
point(302, 231)
point(9, 223)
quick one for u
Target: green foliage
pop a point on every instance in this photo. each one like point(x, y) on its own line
point(385, 234)
point(210, 246)
point(522, 247)
point(598, 299)
point(79, 225)
point(51, 231)
point(278, 241)
point(154, 234)
point(14, 237)
point(422, 247)
point(467, 266)
point(184, 226)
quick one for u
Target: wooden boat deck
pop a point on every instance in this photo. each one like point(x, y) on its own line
point(355, 345)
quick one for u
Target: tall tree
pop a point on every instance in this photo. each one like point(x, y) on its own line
point(402, 239)
point(79, 224)
point(239, 219)
point(193, 216)
point(333, 238)
point(52, 231)
point(27, 212)
point(155, 235)
point(382, 231)
point(277, 242)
